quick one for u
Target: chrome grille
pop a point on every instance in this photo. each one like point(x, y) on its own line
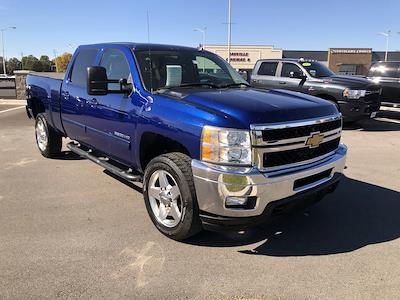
point(285, 145)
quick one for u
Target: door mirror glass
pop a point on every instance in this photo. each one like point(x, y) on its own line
point(97, 82)
point(297, 75)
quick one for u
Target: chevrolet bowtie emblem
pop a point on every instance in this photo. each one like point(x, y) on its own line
point(314, 140)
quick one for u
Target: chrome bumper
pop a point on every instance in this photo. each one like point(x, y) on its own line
point(215, 183)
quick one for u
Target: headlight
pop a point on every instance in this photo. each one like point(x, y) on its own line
point(353, 94)
point(226, 146)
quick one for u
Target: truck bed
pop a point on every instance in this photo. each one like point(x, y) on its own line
point(53, 75)
point(47, 88)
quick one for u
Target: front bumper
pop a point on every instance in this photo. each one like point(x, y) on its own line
point(353, 110)
point(214, 184)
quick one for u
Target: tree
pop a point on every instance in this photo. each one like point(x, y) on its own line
point(46, 63)
point(13, 64)
point(31, 63)
point(62, 61)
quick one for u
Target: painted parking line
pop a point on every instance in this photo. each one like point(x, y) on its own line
point(11, 109)
point(388, 120)
point(391, 109)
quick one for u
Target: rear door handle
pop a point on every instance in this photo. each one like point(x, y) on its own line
point(282, 82)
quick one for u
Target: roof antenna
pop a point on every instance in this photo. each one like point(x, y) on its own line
point(148, 45)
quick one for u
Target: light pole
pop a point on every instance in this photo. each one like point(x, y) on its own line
point(56, 59)
point(229, 29)
point(387, 36)
point(203, 31)
point(2, 42)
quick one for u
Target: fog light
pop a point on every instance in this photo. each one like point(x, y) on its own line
point(235, 201)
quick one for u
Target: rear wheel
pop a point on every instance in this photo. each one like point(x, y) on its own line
point(48, 140)
point(170, 196)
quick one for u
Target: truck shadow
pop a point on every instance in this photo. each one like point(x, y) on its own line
point(68, 155)
point(387, 120)
point(127, 183)
point(356, 215)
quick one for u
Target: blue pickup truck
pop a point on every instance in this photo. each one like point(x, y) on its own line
point(210, 151)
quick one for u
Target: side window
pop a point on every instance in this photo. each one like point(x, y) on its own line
point(268, 68)
point(117, 67)
point(289, 67)
point(84, 59)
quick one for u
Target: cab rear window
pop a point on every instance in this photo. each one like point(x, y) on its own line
point(84, 59)
point(268, 68)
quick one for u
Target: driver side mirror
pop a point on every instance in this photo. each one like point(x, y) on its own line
point(297, 75)
point(97, 82)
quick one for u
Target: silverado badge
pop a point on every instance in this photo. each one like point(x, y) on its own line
point(314, 140)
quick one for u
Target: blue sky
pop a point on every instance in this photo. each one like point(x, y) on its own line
point(44, 25)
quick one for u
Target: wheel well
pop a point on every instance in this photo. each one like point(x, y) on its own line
point(37, 107)
point(153, 145)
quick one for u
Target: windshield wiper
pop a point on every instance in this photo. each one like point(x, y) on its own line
point(212, 85)
point(234, 84)
point(193, 84)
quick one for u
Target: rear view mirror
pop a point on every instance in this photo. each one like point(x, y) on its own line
point(97, 83)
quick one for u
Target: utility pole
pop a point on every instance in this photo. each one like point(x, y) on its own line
point(56, 59)
point(4, 52)
point(229, 29)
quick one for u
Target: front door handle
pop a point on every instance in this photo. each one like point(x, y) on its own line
point(93, 102)
point(282, 82)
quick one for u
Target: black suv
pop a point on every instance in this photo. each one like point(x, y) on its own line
point(387, 74)
point(355, 97)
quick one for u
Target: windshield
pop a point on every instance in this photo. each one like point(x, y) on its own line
point(185, 68)
point(316, 69)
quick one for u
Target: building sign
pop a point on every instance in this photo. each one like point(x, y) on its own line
point(350, 61)
point(244, 57)
point(240, 57)
point(350, 51)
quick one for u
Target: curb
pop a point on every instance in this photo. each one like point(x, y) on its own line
point(12, 102)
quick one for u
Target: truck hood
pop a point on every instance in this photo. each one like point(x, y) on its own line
point(249, 106)
point(349, 81)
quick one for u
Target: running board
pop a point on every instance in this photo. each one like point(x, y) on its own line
point(104, 162)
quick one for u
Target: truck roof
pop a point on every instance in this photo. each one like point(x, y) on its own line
point(142, 46)
point(299, 60)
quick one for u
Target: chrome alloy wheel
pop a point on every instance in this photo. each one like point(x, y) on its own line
point(165, 198)
point(41, 135)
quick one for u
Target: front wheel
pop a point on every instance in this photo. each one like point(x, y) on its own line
point(48, 140)
point(170, 196)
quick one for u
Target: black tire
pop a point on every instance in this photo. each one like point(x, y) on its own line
point(179, 166)
point(54, 139)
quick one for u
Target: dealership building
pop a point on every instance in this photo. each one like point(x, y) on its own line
point(344, 61)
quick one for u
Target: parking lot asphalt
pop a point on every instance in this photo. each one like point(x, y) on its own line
point(68, 230)
point(9, 107)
